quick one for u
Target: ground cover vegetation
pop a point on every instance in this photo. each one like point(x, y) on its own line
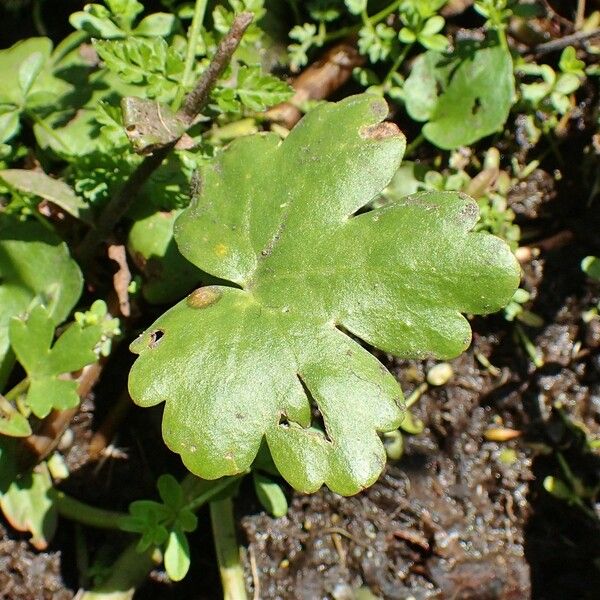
point(299, 299)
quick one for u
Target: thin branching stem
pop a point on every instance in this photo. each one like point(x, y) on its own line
point(190, 57)
point(373, 20)
point(197, 99)
point(194, 103)
point(568, 40)
point(83, 513)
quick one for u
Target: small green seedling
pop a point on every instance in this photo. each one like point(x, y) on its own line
point(44, 362)
point(281, 221)
point(35, 268)
point(164, 524)
point(463, 96)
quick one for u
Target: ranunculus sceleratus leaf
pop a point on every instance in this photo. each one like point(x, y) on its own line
point(281, 220)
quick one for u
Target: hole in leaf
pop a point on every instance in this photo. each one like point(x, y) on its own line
point(155, 338)
point(476, 106)
point(316, 421)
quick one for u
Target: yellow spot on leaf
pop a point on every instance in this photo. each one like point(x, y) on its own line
point(220, 249)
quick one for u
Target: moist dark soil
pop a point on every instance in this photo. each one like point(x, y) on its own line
point(458, 516)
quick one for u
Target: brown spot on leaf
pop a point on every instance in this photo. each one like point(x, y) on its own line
point(379, 131)
point(470, 211)
point(203, 297)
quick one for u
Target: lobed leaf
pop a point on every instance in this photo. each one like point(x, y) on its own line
point(276, 352)
point(24, 499)
point(31, 340)
point(474, 99)
point(35, 266)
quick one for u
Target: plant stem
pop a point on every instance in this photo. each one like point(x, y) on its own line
point(414, 145)
point(228, 552)
point(194, 103)
point(190, 57)
point(567, 40)
point(580, 14)
point(197, 99)
point(376, 18)
point(128, 572)
point(15, 392)
point(397, 63)
point(206, 496)
point(84, 513)
point(6, 408)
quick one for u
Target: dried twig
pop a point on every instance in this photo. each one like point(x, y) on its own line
point(317, 82)
point(196, 100)
point(122, 278)
point(568, 40)
point(194, 103)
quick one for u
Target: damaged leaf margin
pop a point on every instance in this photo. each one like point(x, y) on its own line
point(273, 358)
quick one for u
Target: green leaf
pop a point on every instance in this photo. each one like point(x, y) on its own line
point(31, 341)
point(476, 102)
point(9, 124)
point(12, 422)
point(567, 83)
point(590, 265)
point(421, 90)
point(278, 219)
point(412, 424)
point(433, 25)
point(39, 184)
point(28, 71)
point(149, 62)
point(376, 42)
point(177, 555)
point(35, 266)
point(259, 91)
point(95, 26)
point(20, 66)
point(167, 274)
point(270, 495)
point(146, 517)
point(157, 24)
point(569, 63)
point(356, 6)
point(558, 488)
point(25, 500)
point(475, 99)
point(170, 491)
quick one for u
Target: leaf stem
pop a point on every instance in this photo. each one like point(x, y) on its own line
point(127, 573)
point(205, 497)
point(376, 18)
point(190, 57)
point(228, 552)
point(6, 408)
point(414, 144)
point(397, 63)
point(194, 103)
point(85, 513)
point(16, 391)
